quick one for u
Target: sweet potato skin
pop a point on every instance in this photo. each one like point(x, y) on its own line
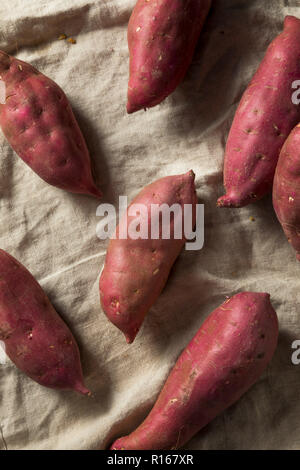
point(162, 37)
point(36, 338)
point(286, 189)
point(40, 126)
point(224, 359)
point(136, 271)
point(264, 118)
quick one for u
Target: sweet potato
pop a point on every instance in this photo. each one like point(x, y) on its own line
point(286, 189)
point(162, 37)
point(36, 338)
point(224, 359)
point(265, 117)
point(136, 270)
point(39, 124)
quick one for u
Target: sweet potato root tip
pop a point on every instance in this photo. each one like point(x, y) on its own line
point(80, 388)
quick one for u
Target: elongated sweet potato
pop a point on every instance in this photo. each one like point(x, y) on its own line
point(223, 360)
point(162, 36)
point(36, 338)
point(136, 270)
point(39, 124)
point(286, 189)
point(265, 117)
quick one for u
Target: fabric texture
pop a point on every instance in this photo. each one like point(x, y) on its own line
point(53, 233)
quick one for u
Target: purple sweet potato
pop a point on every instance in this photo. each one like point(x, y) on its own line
point(136, 270)
point(36, 338)
point(286, 189)
point(162, 37)
point(39, 124)
point(265, 117)
point(224, 359)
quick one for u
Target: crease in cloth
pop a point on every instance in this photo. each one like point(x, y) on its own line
point(2, 437)
point(70, 266)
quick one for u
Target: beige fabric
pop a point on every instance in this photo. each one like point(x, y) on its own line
point(53, 233)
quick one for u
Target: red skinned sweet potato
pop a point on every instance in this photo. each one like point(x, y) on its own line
point(162, 37)
point(286, 189)
point(36, 338)
point(265, 117)
point(224, 359)
point(136, 270)
point(39, 124)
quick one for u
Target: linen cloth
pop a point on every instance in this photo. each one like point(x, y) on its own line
point(53, 233)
